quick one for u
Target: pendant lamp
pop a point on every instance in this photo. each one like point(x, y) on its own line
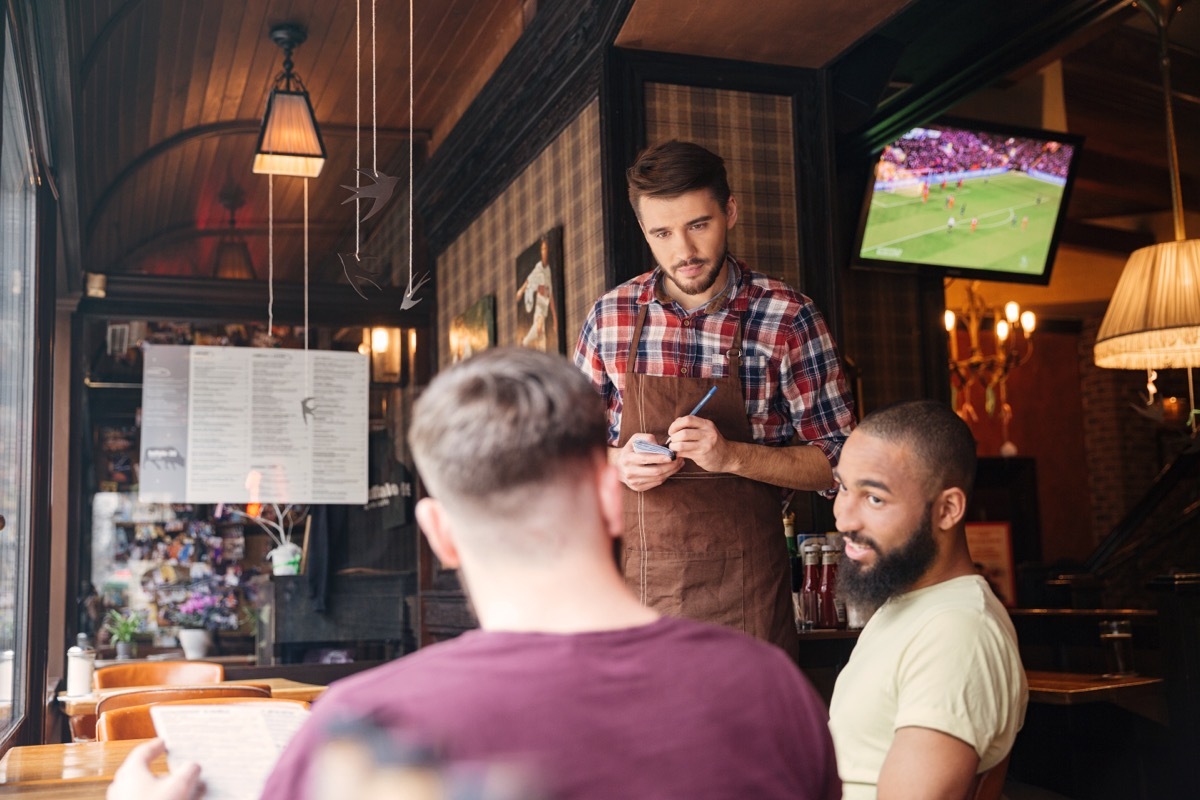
point(290, 141)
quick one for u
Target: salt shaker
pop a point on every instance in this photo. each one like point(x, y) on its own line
point(81, 663)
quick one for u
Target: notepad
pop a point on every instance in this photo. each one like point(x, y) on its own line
point(235, 744)
point(647, 446)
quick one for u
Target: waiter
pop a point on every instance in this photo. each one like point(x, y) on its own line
point(703, 533)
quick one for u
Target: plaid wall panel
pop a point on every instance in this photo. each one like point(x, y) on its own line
point(562, 187)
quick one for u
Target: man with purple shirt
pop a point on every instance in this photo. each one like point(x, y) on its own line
point(570, 676)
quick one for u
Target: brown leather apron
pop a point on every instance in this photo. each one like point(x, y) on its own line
point(704, 545)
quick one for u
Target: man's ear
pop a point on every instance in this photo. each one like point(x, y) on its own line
point(731, 212)
point(435, 524)
point(950, 508)
point(608, 489)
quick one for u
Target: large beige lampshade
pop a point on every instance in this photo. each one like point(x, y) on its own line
point(1153, 320)
point(290, 141)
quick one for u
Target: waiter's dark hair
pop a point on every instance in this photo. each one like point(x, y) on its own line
point(940, 439)
point(673, 168)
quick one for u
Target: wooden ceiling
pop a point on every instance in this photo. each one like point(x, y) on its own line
point(167, 98)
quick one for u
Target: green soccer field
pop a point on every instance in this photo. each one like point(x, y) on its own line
point(900, 227)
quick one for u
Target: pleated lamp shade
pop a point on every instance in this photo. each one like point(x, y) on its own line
point(290, 142)
point(1153, 320)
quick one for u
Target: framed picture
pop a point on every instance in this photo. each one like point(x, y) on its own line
point(990, 544)
point(474, 330)
point(539, 295)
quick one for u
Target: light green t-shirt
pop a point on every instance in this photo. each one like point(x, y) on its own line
point(943, 657)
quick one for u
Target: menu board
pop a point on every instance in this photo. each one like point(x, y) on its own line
point(253, 425)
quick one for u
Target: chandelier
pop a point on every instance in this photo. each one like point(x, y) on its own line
point(1000, 340)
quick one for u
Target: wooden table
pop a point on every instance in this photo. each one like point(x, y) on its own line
point(67, 771)
point(83, 705)
point(1140, 694)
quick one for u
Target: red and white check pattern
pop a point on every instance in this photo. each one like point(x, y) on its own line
point(791, 376)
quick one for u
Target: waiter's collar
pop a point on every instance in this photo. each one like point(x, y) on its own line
point(731, 296)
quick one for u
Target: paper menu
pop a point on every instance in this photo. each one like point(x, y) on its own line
point(235, 744)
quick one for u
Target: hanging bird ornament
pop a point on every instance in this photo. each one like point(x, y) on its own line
point(409, 301)
point(354, 267)
point(379, 192)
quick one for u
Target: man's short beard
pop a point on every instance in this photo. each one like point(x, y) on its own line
point(702, 284)
point(892, 573)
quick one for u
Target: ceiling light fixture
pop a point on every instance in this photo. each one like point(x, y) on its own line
point(232, 260)
point(290, 141)
point(1153, 319)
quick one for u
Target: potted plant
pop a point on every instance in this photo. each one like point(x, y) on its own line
point(122, 628)
point(285, 556)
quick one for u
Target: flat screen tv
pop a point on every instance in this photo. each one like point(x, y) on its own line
point(969, 200)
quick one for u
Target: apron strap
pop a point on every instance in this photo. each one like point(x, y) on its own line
point(631, 359)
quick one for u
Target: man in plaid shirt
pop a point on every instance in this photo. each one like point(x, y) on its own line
point(703, 524)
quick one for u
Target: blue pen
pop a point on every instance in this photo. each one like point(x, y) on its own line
point(699, 406)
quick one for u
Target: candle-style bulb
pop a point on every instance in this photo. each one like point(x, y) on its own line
point(1028, 322)
point(1002, 330)
point(949, 320)
point(1012, 312)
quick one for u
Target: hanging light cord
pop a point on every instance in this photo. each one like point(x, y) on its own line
point(411, 128)
point(374, 124)
point(270, 257)
point(357, 117)
point(306, 266)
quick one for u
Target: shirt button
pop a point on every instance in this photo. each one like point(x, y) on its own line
point(683, 370)
point(687, 323)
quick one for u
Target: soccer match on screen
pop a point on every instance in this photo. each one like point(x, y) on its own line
point(965, 199)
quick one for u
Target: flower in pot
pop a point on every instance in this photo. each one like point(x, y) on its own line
point(122, 628)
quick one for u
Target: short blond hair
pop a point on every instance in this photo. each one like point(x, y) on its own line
point(504, 422)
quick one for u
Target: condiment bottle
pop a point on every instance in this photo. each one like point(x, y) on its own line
point(81, 663)
point(809, 587)
point(827, 614)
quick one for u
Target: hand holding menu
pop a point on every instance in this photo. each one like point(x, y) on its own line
point(235, 744)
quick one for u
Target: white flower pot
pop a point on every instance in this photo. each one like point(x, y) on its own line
point(195, 642)
point(285, 560)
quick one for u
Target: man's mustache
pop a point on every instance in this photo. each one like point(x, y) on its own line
point(861, 541)
point(692, 262)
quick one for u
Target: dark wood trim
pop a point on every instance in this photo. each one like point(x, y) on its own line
point(41, 454)
point(190, 299)
point(956, 78)
point(543, 83)
point(622, 134)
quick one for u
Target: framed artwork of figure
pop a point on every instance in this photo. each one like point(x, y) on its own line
point(539, 297)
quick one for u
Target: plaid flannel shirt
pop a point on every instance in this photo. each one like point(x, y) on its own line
point(791, 376)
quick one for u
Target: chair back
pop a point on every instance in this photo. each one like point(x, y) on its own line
point(990, 784)
point(158, 673)
point(136, 722)
point(126, 715)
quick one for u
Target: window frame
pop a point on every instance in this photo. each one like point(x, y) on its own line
point(29, 666)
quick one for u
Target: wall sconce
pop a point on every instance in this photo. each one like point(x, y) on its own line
point(991, 358)
point(290, 141)
point(387, 354)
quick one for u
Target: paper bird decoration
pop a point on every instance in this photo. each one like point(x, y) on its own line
point(379, 192)
point(409, 301)
point(355, 269)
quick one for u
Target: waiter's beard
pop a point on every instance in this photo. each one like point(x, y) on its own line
point(702, 282)
point(892, 573)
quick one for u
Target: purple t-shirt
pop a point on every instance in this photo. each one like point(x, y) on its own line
point(671, 709)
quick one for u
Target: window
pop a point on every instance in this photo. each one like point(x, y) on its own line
point(18, 239)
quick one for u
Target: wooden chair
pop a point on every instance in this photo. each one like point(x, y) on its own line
point(158, 673)
point(135, 722)
point(990, 784)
